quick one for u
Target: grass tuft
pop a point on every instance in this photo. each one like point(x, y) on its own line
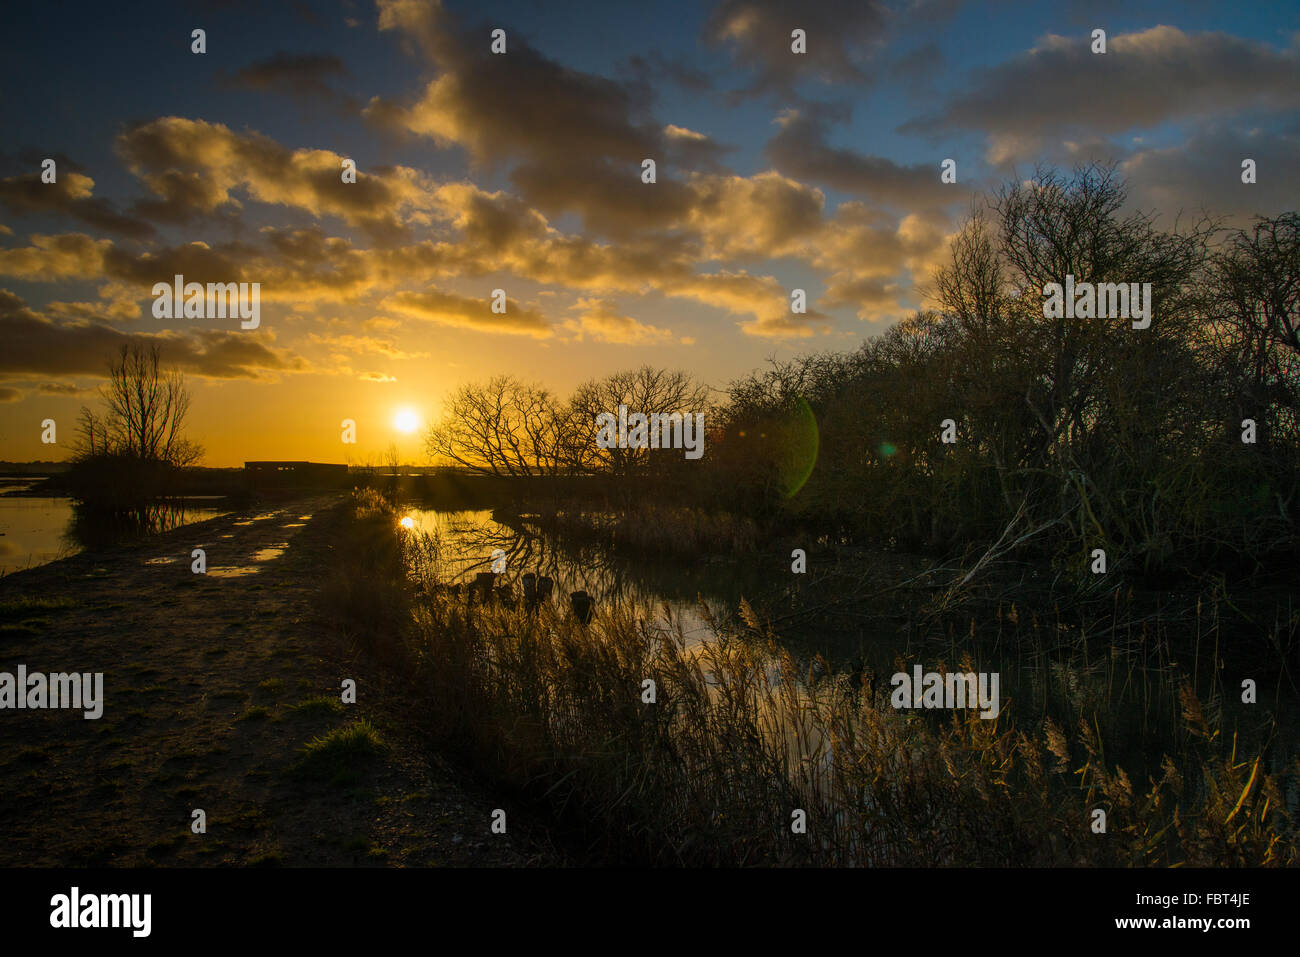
point(343, 755)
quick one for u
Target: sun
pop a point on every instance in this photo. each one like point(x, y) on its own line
point(406, 420)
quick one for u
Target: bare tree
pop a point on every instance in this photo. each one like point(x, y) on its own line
point(501, 427)
point(92, 435)
point(1056, 226)
point(1253, 303)
point(648, 390)
point(146, 411)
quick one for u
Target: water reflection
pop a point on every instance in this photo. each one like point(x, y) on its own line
point(466, 541)
point(1131, 699)
point(232, 571)
point(95, 528)
point(35, 530)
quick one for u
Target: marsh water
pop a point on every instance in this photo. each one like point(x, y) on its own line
point(675, 591)
point(1130, 693)
point(35, 530)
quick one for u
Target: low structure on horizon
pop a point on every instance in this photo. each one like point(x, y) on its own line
point(295, 475)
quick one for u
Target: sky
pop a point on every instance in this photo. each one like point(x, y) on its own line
point(522, 171)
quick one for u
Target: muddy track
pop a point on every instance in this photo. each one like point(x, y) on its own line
point(205, 679)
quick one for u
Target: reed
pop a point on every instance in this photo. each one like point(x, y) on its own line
point(737, 741)
point(656, 528)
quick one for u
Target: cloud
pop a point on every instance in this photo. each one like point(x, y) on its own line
point(519, 104)
point(726, 218)
point(865, 254)
point(36, 346)
point(842, 36)
point(665, 231)
point(305, 76)
point(62, 388)
point(610, 197)
point(689, 149)
point(761, 216)
point(10, 395)
point(731, 219)
point(303, 267)
point(359, 345)
point(576, 139)
point(117, 301)
point(873, 298)
point(71, 194)
point(56, 257)
point(1143, 80)
point(1205, 173)
point(800, 149)
point(761, 296)
point(195, 167)
point(450, 309)
point(599, 321)
point(653, 68)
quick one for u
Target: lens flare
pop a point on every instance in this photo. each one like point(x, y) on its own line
point(799, 445)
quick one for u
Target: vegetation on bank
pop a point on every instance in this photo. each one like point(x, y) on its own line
point(655, 528)
point(1072, 434)
point(1074, 437)
point(737, 741)
point(131, 453)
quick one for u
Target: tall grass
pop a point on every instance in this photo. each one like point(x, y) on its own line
point(653, 527)
point(366, 592)
point(736, 743)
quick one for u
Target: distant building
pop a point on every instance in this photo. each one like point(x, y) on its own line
point(295, 475)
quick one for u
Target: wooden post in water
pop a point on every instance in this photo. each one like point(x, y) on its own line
point(584, 606)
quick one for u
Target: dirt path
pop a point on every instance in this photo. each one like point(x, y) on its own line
point(212, 686)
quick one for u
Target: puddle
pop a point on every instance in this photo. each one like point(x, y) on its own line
point(160, 561)
point(232, 572)
point(270, 553)
point(258, 518)
point(295, 525)
point(304, 518)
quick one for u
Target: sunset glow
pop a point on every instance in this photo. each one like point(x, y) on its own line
point(681, 436)
point(377, 258)
point(406, 421)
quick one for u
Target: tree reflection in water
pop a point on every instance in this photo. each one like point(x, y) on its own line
point(466, 540)
point(98, 527)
